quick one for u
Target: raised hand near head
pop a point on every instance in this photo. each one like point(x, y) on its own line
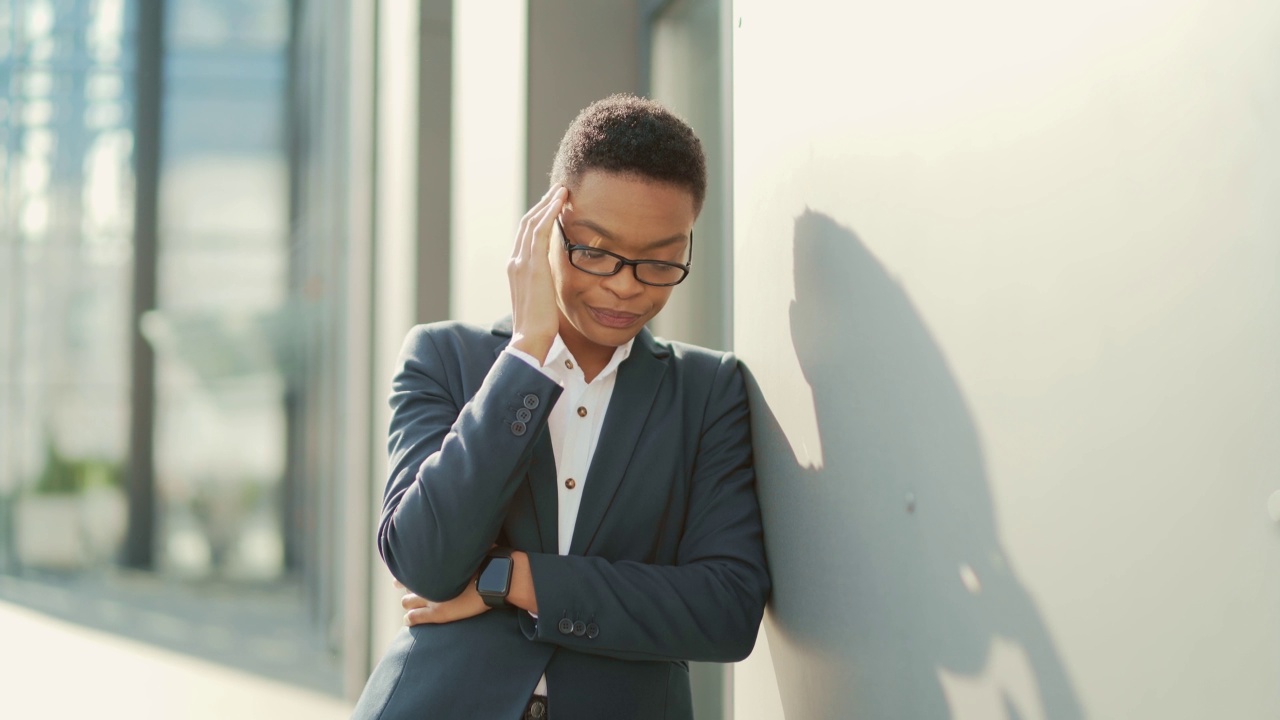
point(535, 319)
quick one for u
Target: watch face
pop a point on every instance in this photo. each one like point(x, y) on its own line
point(495, 576)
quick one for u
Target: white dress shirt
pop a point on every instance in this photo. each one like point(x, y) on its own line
point(574, 424)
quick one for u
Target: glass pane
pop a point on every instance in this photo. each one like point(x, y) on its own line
point(66, 211)
point(223, 285)
point(244, 306)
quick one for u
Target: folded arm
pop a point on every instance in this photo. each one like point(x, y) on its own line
point(454, 470)
point(708, 605)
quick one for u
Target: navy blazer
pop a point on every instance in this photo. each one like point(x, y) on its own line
point(666, 563)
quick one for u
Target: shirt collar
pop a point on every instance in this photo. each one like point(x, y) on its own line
point(560, 352)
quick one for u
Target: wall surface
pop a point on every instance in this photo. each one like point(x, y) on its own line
point(1014, 331)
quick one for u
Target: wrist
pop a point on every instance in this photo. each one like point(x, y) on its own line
point(522, 593)
point(537, 348)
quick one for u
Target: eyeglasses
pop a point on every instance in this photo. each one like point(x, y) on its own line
point(602, 262)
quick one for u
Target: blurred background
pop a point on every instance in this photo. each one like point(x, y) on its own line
point(218, 218)
point(168, 378)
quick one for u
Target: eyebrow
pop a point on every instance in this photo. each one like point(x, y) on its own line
point(655, 245)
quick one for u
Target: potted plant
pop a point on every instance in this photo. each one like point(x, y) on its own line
point(74, 514)
point(104, 509)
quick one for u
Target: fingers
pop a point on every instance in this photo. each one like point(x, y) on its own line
point(541, 239)
point(536, 224)
point(411, 601)
point(530, 221)
point(419, 616)
point(420, 611)
point(434, 613)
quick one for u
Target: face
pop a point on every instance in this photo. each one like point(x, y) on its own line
point(636, 218)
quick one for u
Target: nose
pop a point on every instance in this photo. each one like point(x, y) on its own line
point(623, 284)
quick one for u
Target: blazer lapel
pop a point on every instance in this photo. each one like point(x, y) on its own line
point(633, 395)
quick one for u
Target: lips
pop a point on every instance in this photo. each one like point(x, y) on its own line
point(613, 318)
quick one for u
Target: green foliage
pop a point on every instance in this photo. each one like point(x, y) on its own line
point(65, 476)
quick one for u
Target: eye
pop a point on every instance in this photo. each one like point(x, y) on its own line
point(590, 254)
point(665, 270)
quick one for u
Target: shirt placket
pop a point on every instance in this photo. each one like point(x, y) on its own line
point(570, 497)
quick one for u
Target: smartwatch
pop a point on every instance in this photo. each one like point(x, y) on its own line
point(494, 581)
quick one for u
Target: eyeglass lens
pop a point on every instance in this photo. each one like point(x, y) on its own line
point(601, 263)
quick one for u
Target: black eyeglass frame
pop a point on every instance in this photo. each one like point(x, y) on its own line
point(623, 262)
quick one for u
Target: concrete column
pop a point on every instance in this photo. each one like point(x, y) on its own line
point(578, 53)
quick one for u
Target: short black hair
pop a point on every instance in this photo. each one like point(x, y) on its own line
point(633, 136)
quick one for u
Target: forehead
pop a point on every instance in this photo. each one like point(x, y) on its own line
point(630, 207)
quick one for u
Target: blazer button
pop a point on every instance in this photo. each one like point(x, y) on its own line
point(523, 415)
point(579, 628)
point(593, 631)
point(531, 402)
point(565, 627)
point(518, 428)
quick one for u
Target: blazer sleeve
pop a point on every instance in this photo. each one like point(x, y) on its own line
point(706, 607)
point(454, 464)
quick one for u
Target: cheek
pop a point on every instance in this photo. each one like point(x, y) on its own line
point(659, 300)
point(562, 278)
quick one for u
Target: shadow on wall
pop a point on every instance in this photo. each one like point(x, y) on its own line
point(887, 570)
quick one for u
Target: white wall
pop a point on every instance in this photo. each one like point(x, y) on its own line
point(1014, 327)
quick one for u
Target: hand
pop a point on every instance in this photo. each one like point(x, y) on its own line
point(535, 316)
point(423, 611)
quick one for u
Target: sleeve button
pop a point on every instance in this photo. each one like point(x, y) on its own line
point(518, 428)
point(531, 402)
point(565, 627)
point(579, 628)
point(593, 631)
point(523, 415)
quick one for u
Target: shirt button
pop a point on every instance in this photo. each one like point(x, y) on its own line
point(565, 627)
point(518, 428)
point(571, 483)
point(568, 364)
point(582, 412)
